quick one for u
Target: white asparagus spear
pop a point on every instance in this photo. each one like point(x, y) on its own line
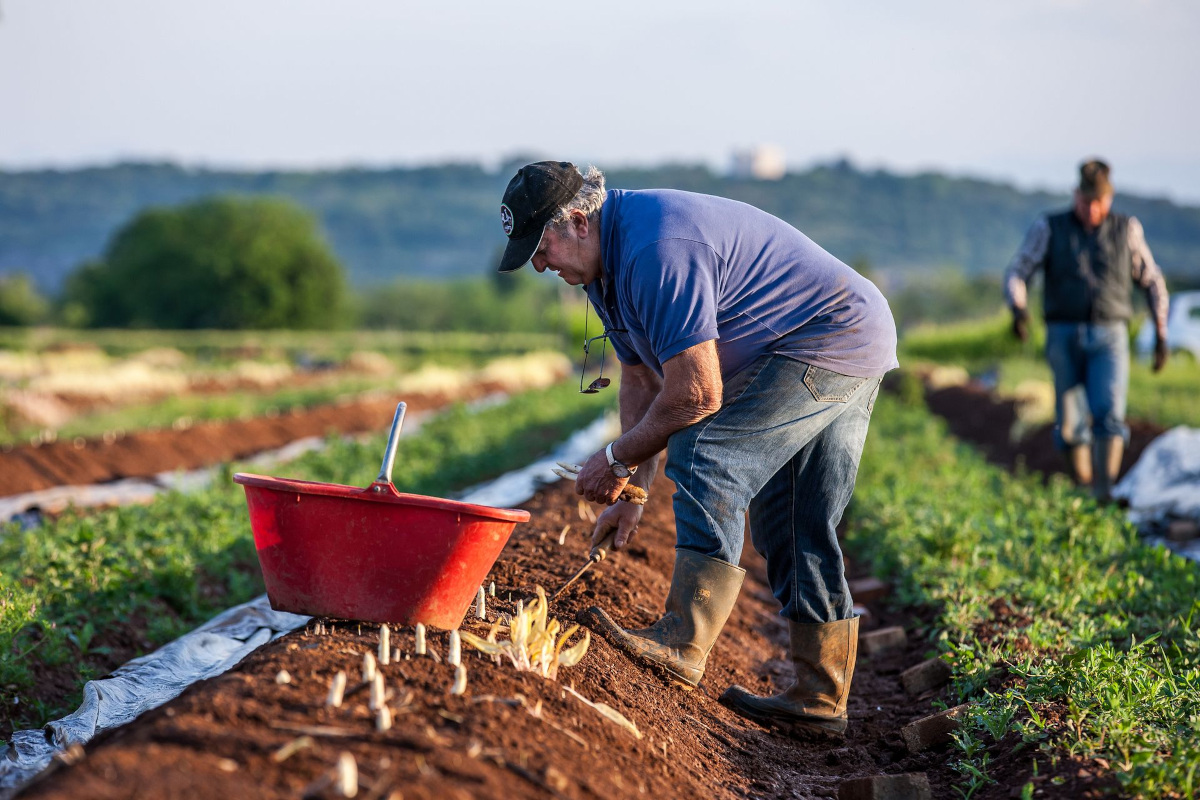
point(347, 775)
point(337, 690)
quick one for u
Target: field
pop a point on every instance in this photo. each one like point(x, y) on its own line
point(1072, 649)
point(986, 348)
point(65, 384)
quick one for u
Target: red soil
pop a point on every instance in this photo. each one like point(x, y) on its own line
point(144, 454)
point(975, 415)
point(217, 739)
point(518, 735)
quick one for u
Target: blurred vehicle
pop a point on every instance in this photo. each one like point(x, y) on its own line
point(1183, 327)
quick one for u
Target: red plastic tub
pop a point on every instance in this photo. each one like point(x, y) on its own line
point(375, 553)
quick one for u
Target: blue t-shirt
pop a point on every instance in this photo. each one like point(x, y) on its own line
point(683, 268)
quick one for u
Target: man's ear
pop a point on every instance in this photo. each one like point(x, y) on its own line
point(580, 221)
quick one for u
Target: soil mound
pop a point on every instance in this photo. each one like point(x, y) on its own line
point(516, 734)
point(977, 416)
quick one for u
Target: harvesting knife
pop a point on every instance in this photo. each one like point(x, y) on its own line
point(630, 494)
point(597, 554)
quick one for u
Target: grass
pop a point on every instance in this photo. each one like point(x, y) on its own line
point(153, 572)
point(1098, 655)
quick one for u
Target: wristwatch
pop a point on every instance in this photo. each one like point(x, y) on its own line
point(618, 469)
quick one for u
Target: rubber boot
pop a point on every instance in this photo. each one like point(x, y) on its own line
point(823, 657)
point(1106, 466)
point(703, 591)
point(1079, 462)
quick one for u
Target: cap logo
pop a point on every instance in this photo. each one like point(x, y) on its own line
point(506, 219)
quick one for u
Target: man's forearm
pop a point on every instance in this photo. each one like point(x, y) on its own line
point(669, 412)
point(637, 395)
point(1026, 261)
point(642, 443)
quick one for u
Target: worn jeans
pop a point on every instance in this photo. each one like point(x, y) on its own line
point(785, 445)
point(1091, 380)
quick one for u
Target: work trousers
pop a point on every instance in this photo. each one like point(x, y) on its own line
point(784, 446)
point(1090, 362)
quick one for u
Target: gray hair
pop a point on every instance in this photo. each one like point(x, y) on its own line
point(588, 199)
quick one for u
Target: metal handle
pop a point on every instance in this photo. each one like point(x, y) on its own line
point(389, 454)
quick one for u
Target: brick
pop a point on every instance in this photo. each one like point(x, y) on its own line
point(868, 590)
point(912, 786)
point(932, 730)
point(926, 676)
point(873, 643)
point(1182, 530)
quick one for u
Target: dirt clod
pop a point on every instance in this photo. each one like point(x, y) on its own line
point(913, 786)
point(926, 676)
point(868, 590)
point(874, 643)
point(933, 730)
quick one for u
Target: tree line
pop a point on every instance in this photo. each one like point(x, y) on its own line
point(259, 263)
point(441, 222)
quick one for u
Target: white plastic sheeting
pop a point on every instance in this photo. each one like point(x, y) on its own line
point(219, 644)
point(145, 683)
point(1165, 484)
point(519, 486)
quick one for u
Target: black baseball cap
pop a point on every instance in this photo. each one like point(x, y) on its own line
point(533, 197)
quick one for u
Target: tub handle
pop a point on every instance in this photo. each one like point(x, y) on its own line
point(389, 454)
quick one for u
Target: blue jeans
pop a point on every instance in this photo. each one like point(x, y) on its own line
point(784, 446)
point(1091, 380)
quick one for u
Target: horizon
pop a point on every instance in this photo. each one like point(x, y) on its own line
point(987, 92)
point(493, 166)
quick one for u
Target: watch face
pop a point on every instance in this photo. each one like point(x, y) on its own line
point(620, 470)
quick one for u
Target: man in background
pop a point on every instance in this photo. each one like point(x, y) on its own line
point(1091, 257)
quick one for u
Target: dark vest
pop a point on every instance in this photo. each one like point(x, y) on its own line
point(1089, 276)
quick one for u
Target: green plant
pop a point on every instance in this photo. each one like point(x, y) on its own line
point(1094, 631)
point(224, 262)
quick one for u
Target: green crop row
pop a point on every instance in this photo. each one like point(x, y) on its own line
point(82, 593)
point(1063, 628)
point(218, 344)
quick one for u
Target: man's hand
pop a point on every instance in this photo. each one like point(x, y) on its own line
point(1161, 353)
point(1020, 324)
point(597, 482)
point(624, 518)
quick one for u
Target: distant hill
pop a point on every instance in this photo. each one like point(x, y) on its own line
point(442, 221)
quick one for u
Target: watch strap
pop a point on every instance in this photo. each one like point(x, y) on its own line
point(612, 459)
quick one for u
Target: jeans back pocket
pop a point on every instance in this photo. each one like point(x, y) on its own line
point(830, 387)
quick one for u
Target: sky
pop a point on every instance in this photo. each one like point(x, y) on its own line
point(1019, 90)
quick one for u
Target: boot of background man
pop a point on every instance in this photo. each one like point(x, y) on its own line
point(1106, 466)
point(1079, 462)
point(823, 657)
point(703, 591)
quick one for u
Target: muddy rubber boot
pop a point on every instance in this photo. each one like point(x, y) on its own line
point(823, 657)
point(703, 591)
point(1106, 465)
point(1079, 462)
